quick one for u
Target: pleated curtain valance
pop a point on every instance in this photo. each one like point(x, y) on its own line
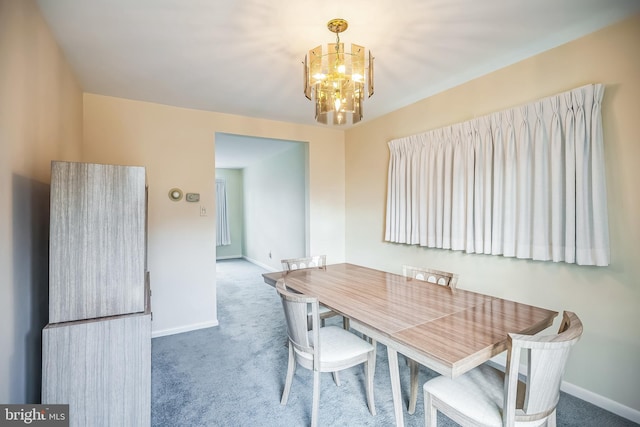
point(528, 182)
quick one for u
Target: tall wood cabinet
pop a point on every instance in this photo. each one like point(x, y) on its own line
point(97, 346)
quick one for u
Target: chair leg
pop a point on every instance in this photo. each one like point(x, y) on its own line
point(413, 398)
point(345, 323)
point(430, 412)
point(316, 399)
point(551, 419)
point(369, 370)
point(291, 368)
point(336, 378)
point(374, 343)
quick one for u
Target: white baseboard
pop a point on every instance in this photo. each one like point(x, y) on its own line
point(601, 401)
point(259, 264)
point(186, 328)
point(229, 257)
point(500, 361)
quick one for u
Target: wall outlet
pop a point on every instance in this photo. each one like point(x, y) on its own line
point(203, 211)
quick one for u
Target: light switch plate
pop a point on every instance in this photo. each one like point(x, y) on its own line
point(193, 197)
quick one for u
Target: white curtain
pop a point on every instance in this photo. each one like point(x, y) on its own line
point(223, 235)
point(528, 182)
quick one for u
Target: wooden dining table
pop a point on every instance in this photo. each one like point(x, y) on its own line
point(448, 331)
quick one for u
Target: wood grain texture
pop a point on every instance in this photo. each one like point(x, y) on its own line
point(97, 241)
point(547, 359)
point(456, 330)
point(316, 261)
point(102, 369)
point(449, 332)
point(487, 396)
point(443, 278)
point(467, 338)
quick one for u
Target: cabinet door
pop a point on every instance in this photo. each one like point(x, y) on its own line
point(97, 241)
point(102, 369)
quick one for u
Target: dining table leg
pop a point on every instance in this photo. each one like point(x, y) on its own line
point(394, 372)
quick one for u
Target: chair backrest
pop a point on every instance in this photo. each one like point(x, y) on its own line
point(316, 261)
point(296, 311)
point(546, 361)
point(430, 275)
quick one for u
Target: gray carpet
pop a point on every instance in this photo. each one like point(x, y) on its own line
point(233, 374)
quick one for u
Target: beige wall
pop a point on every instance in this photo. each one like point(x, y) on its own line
point(40, 120)
point(607, 360)
point(176, 146)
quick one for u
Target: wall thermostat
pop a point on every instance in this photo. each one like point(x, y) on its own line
point(175, 194)
point(193, 197)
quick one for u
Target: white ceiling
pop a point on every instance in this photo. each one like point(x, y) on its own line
point(244, 56)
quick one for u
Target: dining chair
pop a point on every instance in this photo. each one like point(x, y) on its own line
point(486, 396)
point(321, 349)
point(316, 261)
point(433, 276)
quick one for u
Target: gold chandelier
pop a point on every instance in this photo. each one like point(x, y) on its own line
point(337, 78)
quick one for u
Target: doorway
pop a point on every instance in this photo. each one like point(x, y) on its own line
point(267, 187)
